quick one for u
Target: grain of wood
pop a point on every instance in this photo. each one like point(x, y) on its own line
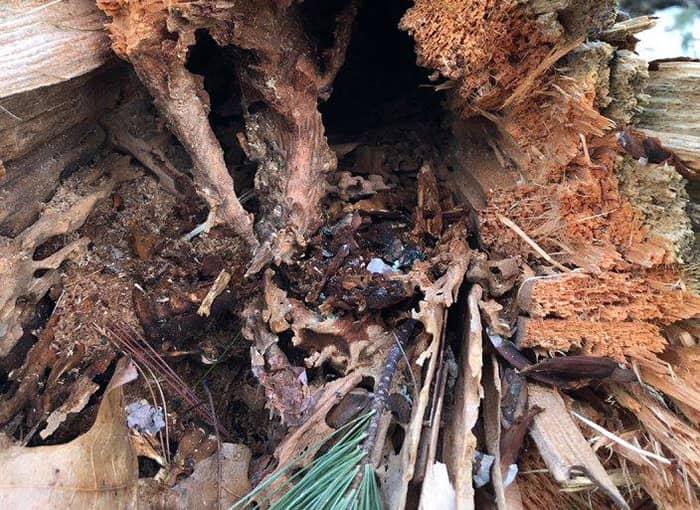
point(43, 43)
point(562, 445)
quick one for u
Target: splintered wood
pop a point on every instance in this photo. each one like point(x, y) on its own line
point(544, 212)
point(562, 446)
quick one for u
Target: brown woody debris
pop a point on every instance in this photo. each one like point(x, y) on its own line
point(19, 271)
point(646, 296)
point(614, 340)
point(562, 446)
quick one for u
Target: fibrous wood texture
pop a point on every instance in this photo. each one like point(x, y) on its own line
point(573, 241)
point(580, 197)
point(282, 78)
point(671, 110)
point(44, 43)
point(50, 129)
point(24, 277)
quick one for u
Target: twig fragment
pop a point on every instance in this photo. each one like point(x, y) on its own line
point(531, 243)
point(217, 288)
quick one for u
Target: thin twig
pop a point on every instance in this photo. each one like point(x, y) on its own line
point(215, 291)
point(619, 440)
point(381, 393)
point(536, 247)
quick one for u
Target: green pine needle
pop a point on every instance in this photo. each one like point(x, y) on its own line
point(325, 483)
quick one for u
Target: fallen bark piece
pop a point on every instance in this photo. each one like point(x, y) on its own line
point(460, 441)
point(97, 470)
point(562, 446)
point(577, 368)
point(83, 389)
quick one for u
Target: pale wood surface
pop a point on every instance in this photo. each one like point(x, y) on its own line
point(43, 42)
point(672, 112)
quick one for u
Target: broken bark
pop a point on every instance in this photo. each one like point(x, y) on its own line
point(563, 447)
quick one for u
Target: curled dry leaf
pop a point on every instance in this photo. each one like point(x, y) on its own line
point(96, 470)
point(216, 482)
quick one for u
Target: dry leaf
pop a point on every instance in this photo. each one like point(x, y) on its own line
point(200, 490)
point(96, 470)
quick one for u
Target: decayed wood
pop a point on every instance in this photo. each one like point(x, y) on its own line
point(36, 177)
point(139, 35)
point(18, 269)
point(673, 109)
point(48, 130)
point(47, 42)
point(32, 119)
point(460, 441)
point(561, 444)
point(281, 80)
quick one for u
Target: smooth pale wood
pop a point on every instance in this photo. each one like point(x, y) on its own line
point(43, 42)
point(672, 113)
point(560, 442)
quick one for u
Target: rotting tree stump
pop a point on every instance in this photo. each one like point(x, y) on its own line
point(528, 188)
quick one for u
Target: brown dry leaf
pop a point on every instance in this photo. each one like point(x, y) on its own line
point(562, 445)
point(96, 470)
point(315, 430)
point(200, 489)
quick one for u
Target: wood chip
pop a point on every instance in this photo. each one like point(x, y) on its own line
point(562, 445)
point(217, 288)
